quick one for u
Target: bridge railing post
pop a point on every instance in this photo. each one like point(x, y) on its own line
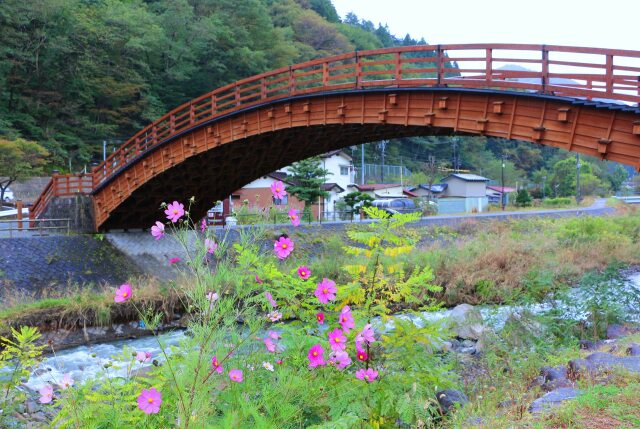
point(488, 65)
point(609, 75)
point(545, 68)
point(439, 66)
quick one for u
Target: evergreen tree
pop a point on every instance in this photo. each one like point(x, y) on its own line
point(307, 177)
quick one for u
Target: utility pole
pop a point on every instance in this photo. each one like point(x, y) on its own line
point(502, 190)
point(382, 145)
point(578, 196)
point(544, 186)
point(362, 161)
point(104, 150)
point(401, 178)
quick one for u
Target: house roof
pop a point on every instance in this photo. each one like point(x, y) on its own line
point(409, 193)
point(336, 152)
point(282, 176)
point(467, 177)
point(500, 189)
point(375, 186)
point(331, 186)
point(436, 188)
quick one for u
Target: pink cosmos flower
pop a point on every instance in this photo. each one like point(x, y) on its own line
point(272, 301)
point(283, 247)
point(316, 356)
point(320, 318)
point(340, 359)
point(211, 245)
point(236, 375)
point(157, 230)
point(274, 316)
point(203, 225)
point(362, 355)
point(326, 291)
point(274, 335)
point(143, 356)
point(366, 374)
point(365, 336)
point(304, 272)
point(46, 394)
point(258, 280)
point(270, 345)
point(150, 400)
point(215, 365)
point(174, 260)
point(337, 340)
point(295, 219)
point(123, 293)
point(174, 211)
point(346, 319)
point(277, 189)
point(66, 382)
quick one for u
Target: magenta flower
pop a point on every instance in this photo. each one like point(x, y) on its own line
point(157, 230)
point(366, 374)
point(210, 245)
point(274, 335)
point(346, 319)
point(236, 375)
point(320, 318)
point(340, 359)
point(274, 316)
point(304, 272)
point(203, 225)
point(326, 291)
point(66, 382)
point(46, 394)
point(362, 355)
point(365, 336)
point(272, 301)
point(174, 211)
point(149, 401)
point(215, 365)
point(277, 189)
point(295, 219)
point(174, 260)
point(123, 293)
point(270, 345)
point(316, 356)
point(283, 247)
point(337, 340)
point(143, 356)
point(258, 280)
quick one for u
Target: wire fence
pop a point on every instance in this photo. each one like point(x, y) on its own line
point(276, 218)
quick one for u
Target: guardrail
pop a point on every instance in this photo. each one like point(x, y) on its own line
point(36, 226)
point(566, 71)
point(62, 185)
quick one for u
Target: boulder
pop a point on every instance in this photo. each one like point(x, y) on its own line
point(553, 399)
point(633, 349)
point(619, 331)
point(466, 321)
point(604, 362)
point(554, 378)
point(450, 399)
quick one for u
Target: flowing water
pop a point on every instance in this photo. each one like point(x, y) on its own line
point(87, 362)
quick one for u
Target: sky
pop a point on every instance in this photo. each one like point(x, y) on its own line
point(590, 23)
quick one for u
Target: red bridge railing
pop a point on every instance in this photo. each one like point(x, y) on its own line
point(61, 185)
point(588, 73)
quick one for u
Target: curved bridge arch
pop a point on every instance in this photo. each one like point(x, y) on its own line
point(218, 142)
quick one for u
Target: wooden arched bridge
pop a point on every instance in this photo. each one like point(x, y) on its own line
point(578, 99)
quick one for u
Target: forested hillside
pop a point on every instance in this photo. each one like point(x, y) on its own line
point(76, 72)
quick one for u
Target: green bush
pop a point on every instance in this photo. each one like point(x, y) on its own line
point(556, 202)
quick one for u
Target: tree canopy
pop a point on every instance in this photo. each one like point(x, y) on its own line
point(19, 159)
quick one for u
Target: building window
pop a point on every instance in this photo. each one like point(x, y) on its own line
point(281, 201)
point(344, 170)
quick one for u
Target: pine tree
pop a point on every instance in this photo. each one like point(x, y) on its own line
point(307, 177)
